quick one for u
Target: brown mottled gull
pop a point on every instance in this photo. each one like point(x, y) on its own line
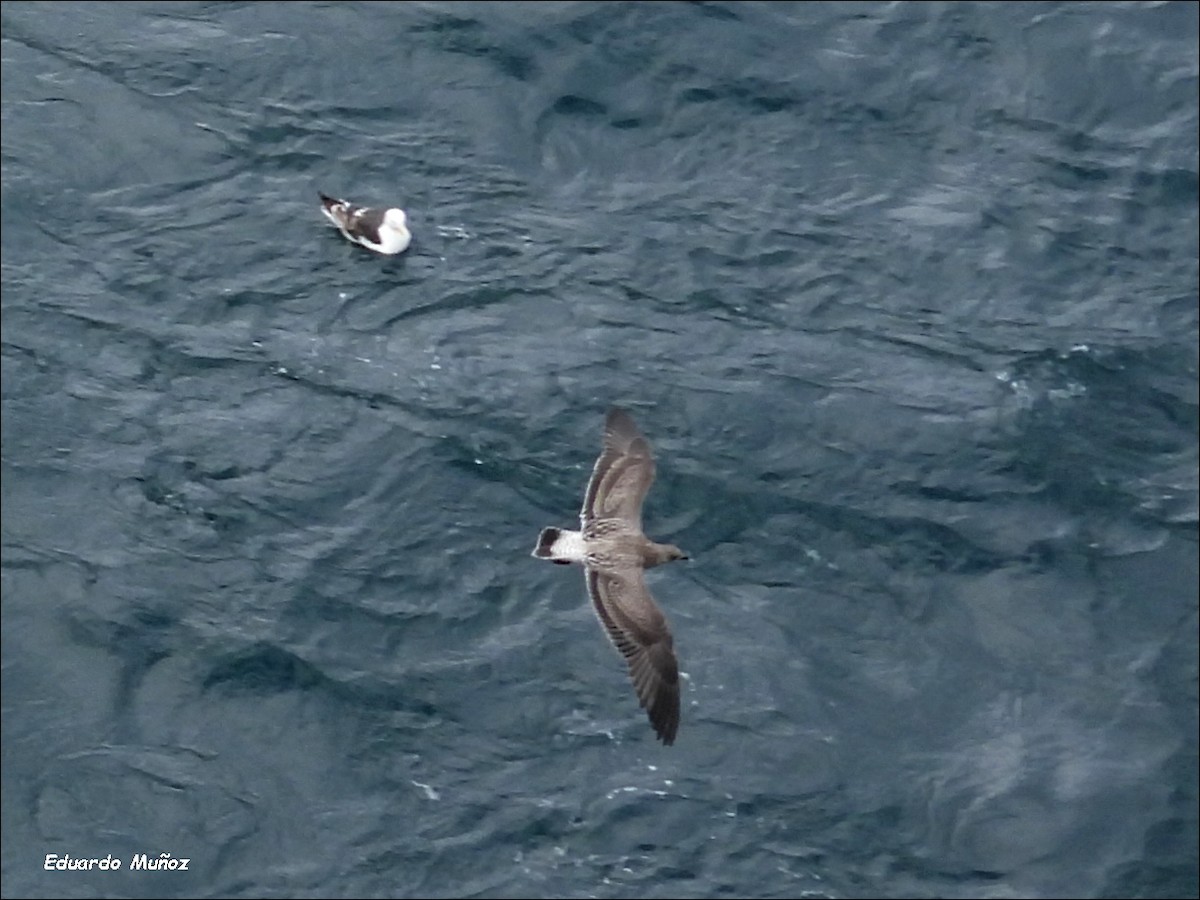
point(614, 553)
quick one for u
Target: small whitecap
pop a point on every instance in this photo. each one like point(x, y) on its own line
point(430, 793)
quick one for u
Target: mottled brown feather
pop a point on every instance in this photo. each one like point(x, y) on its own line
point(638, 629)
point(622, 475)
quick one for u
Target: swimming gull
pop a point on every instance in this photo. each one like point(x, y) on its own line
point(614, 553)
point(382, 230)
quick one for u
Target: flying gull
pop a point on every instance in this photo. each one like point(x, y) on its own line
point(382, 230)
point(614, 552)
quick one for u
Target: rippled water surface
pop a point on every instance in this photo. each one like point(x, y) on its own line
point(903, 295)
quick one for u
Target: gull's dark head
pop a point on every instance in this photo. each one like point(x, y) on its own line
point(657, 554)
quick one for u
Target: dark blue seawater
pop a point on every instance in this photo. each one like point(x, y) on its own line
point(903, 295)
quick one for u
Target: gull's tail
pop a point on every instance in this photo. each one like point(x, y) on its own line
point(558, 546)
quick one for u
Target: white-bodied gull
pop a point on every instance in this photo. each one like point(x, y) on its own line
point(382, 230)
